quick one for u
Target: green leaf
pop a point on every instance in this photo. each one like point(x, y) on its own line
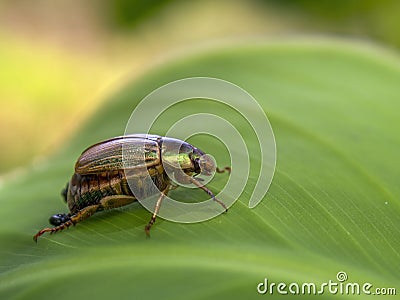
point(333, 204)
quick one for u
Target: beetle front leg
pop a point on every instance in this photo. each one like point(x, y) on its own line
point(211, 194)
point(156, 210)
point(76, 218)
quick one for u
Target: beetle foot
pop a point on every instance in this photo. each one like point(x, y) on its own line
point(148, 226)
point(147, 230)
point(52, 230)
point(221, 203)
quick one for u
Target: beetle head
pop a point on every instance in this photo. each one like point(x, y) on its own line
point(203, 163)
point(58, 219)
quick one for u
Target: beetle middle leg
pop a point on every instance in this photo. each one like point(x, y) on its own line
point(156, 210)
point(118, 201)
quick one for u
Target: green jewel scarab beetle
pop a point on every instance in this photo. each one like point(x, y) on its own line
point(100, 182)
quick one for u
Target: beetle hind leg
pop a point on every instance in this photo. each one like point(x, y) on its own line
point(52, 230)
point(76, 218)
point(116, 201)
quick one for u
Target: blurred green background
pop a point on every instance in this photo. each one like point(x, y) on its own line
point(60, 59)
point(327, 75)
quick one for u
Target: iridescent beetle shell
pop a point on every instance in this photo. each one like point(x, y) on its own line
point(100, 180)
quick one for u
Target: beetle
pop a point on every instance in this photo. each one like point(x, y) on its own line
point(100, 180)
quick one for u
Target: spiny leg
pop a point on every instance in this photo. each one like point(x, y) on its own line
point(116, 201)
point(211, 194)
point(105, 203)
point(76, 218)
point(156, 210)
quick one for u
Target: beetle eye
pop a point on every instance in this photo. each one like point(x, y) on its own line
point(58, 219)
point(197, 168)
